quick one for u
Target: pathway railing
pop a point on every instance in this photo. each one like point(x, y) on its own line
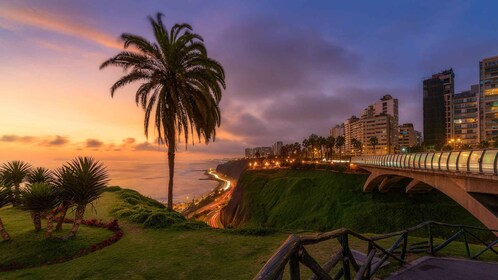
point(293, 252)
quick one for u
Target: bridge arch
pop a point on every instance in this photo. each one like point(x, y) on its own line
point(464, 190)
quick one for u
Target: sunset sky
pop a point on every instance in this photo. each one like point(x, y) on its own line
point(293, 68)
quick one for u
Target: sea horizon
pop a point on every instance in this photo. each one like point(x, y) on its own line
point(150, 177)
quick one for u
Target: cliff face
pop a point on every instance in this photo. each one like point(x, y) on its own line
point(232, 214)
point(233, 169)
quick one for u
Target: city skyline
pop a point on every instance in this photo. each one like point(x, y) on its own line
point(273, 93)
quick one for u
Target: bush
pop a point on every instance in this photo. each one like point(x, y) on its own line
point(113, 189)
point(162, 219)
point(253, 231)
point(190, 225)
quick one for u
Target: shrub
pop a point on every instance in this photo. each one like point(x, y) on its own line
point(190, 225)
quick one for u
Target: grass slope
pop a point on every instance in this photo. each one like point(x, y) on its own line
point(165, 253)
point(321, 200)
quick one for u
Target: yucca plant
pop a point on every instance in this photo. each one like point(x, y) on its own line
point(86, 182)
point(14, 173)
point(42, 199)
point(40, 175)
point(62, 177)
point(5, 198)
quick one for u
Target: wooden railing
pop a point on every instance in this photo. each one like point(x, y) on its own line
point(293, 253)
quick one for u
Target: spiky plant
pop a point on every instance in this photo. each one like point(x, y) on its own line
point(181, 86)
point(14, 173)
point(62, 178)
point(40, 175)
point(86, 181)
point(42, 199)
point(5, 198)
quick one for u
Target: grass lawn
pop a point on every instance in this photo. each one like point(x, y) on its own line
point(154, 253)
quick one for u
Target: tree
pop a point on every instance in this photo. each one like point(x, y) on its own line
point(40, 175)
point(483, 145)
point(330, 142)
point(13, 174)
point(179, 82)
point(85, 182)
point(306, 145)
point(63, 176)
point(5, 198)
point(357, 145)
point(339, 143)
point(374, 142)
point(41, 198)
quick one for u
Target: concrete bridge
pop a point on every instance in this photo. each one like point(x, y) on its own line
point(468, 177)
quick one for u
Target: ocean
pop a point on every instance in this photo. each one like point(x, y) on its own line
point(150, 178)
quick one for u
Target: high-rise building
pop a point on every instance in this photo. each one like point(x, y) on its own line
point(353, 129)
point(407, 136)
point(248, 153)
point(438, 108)
point(488, 82)
point(379, 120)
point(277, 148)
point(466, 116)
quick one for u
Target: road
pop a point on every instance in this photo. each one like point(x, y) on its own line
point(212, 210)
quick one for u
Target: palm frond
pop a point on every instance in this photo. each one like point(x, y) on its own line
point(40, 175)
point(39, 197)
point(14, 172)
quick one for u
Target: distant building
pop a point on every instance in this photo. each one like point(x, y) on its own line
point(337, 130)
point(438, 94)
point(248, 153)
point(419, 138)
point(277, 148)
point(466, 116)
point(488, 81)
point(266, 151)
point(407, 136)
point(379, 120)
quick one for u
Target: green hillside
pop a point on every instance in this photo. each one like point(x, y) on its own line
point(322, 200)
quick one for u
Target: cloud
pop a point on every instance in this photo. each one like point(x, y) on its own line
point(16, 138)
point(146, 146)
point(94, 143)
point(55, 142)
point(70, 26)
point(265, 58)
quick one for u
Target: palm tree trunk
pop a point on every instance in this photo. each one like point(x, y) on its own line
point(50, 225)
point(36, 220)
point(17, 194)
point(171, 164)
point(3, 232)
point(63, 211)
point(78, 218)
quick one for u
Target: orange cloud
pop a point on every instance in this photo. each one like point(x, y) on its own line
point(52, 22)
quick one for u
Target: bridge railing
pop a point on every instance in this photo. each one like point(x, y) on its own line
point(467, 161)
point(292, 252)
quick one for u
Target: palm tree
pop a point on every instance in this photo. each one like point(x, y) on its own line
point(357, 145)
point(13, 174)
point(41, 198)
point(330, 145)
point(374, 141)
point(40, 175)
point(339, 143)
point(179, 82)
point(5, 198)
point(306, 145)
point(63, 176)
point(86, 181)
